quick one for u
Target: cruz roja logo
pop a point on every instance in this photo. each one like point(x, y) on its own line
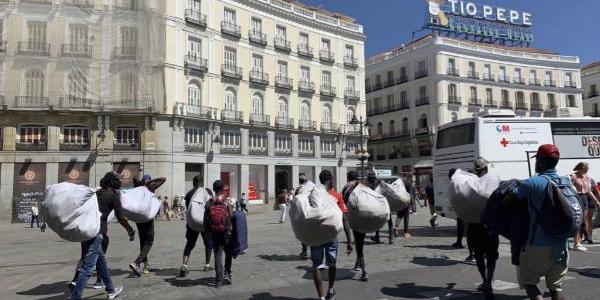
point(503, 128)
point(504, 142)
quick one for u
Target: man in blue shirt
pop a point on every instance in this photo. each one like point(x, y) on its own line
point(544, 255)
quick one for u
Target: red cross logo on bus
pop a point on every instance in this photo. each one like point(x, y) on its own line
point(504, 142)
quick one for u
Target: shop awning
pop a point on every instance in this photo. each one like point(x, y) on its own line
point(423, 164)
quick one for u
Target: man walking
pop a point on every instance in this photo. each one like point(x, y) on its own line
point(282, 200)
point(303, 183)
point(35, 215)
point(545, 254)
point(92, 250)
point(429, 193)
point(218, 223)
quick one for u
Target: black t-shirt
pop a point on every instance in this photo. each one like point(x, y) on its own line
point(429, 192)
point(108, 200)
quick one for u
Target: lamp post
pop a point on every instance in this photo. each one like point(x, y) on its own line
point(363, 155)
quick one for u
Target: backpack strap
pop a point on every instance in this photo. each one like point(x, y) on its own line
point(537, 212)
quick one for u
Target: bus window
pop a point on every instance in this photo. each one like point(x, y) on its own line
point(456, 136)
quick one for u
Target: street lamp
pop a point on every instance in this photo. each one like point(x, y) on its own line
point(363, 155)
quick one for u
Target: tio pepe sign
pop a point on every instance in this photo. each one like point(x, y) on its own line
point(490, 13)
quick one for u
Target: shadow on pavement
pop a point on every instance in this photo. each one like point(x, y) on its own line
point(276, 257)
point(442, 261)
point(342, 274)
point(179, 282)
point(166, 272)
point(413, 291)
point(268, 296)
point(440, 231)
point(587, 272)
point(434, 247)
point(46, 289)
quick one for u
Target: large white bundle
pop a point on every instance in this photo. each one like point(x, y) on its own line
point(395, 193)
point(367, 210)
point(195, 211)
point(71, 211)
point(139, 204)
point(469, 194)
point(319, 223)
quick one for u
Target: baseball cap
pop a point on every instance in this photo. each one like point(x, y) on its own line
point(480, 163)
point(548, 150)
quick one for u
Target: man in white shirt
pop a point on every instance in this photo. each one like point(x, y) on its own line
point(35, 215)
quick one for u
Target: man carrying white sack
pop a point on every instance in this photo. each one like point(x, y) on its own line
point(92, 252)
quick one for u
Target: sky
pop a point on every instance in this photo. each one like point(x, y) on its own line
point(569, 27)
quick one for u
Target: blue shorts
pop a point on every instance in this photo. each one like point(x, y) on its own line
point(328, 250)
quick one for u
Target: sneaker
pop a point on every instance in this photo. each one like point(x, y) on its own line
point(207, 268)
point(356, 266)
point(227, 279)
point(580, 248)
point(135, 268)
point(71, 286)
point(470, 258)
point(99, 285)
point(364, 277)
point(322, 267)
point(115, 293)
point(330, 295)
point(146, 268)
point(184, 271)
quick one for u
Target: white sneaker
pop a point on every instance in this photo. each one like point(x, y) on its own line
point(98, 286)
point(580, 248)
point(114, 294)
point(323, 267)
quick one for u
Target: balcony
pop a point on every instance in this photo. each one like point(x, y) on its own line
point(504, 79)
point(473, 75)
point(402, 79)
point(128, 53)
point(421, 74)
point(305, 50)
point(282, 44)
point(552, 106)
point(262, 151)
point(77, 50)
point(570, 84)
point(422, 101)
point(306, 153)
point(231, 71)
point(130, 5)
point(537, 106)
point(35, 146)
point(535, 82)
point(307, 125)
point(518, 80)
point(389, 83)
point(474, 102)
point(453, 72)
point(232, 116)
point(31, 102)
point(422, 130)
point(132, 145)
point(193, 147)
point(127, 105)
point(306, 87)
point(352, 129)
point(490, 103)
point(284, 82)
point(327, 90)
point(327, 56)
point(259, 77)
point(328, 153)
point(75, 103)
point(404, 105)
point(489, 77)
point(283, 152)
point(195, 17)
point(231, 29)
point(195, 62)
point(454, 100)
point(198, 111)
point(257, 37)
point(79, 3)
point(351, 95)
point(260, 120)
point(231, 149)
point(551, 83)
point(506, 104)
point(74, 147)
point(284, 123)
point(34, 48)
point(38, 2)
point(592, 94)
point(2, 46)
point(350, 61)
point(330, 127)
point(522, 106)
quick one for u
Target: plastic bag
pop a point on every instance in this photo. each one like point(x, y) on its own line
point(469, 194)
point(195, 211)
point(395, 193)
point(139, 204)
point(367, 210)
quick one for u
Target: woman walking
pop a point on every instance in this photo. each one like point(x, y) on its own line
point(582, 184)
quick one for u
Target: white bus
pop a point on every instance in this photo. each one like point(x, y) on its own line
point(508, 144)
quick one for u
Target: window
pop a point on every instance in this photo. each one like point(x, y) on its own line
point(34, 83)
point(280, 33)
point(194, 4)
point(129, 40)
point(505, 98)
point(451, 65)
point(350, 83)
point(127, 135)
point(325, 45)
point(349, 114)
point(328, 147)
point(303, 40)
point(230, 103)
point(452, 91)
point(194, 94)
point(283, 143)
point(519, 96)
point(473, 91)
point(36, 35)
point(305, 74)
point(593, 91)
point(422, 67)
point(326, 78)
point(571, 101)
point(403, 74)
point(390, 78)
point(551, 101)
point(230, 139)
point(305, 111)
point(305, 145)
point(533, 76)
point(569, 80)
point(326, 114)
point(257, 63)
point(456, 136)
point(472, 68)
point(230, 58)
point(257, 104)
point(194, 136)
point(282, 107)
point(535, 100)
point(487, 69)
point(423, 92)
point(77, 135)
point(404, 99)
point(194, 48)
point(390, 101)
point(517, 74)
point(548, 78)
point(78, 36)
point(422, 121)
point(379, 128)
point(257, 141)
point(129, 86)
point(77, 84)
point(349, 51)
point(405, 127)
point(488, 96)
point(32, 134)
point(502, 75)
point(256, 25)
point(282, 69)
point(229, 16)
point(392, 127)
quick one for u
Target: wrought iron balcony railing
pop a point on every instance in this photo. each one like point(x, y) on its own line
point(193, 147)
point(75, 103)
point(259, 77)
point(327, 90)
point(79, 3)
point(402, 79)
point(31, 102)
point(284, 82)
point(475, 102)
point(77, 50)
point(306, 87)
point(196, 62)
point(454, 100)
point(506, 104)
point(260, 119)
point(307, 125)
point(195, 17)
point(305, 50)
point(284, 122)
point(125, 52)
point(421, 74)
point(453, 72)
point(198, 111)
point(256, 36)
point(422, 101)
point(489, 77)
point(127, 104)
point(232, 116)
point(34, 48)
point(490, 103)
point(231, 71)
point(329, 127)
point(231, 29)
point(473, 75)
point(326, 55)
point(35, 146)
point(350, 61)
point(282, 44)
point(74, 147)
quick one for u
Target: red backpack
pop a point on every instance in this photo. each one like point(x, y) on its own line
point(218, 216)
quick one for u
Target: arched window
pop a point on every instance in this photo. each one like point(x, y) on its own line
point(34, 83)
point(392, 127)
point(257, 104)
point(379, 128)
point(77, 84)
point(230, 102)
point(305, 111)
point(326, 114)
point(423, 121)
point(405, 125)
point(194, 93)
point(129, 87)
point(282, 107)
point(349, 114)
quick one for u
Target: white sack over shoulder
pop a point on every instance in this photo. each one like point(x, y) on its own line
point(71, 211)
point(367, 210)
point(395, 193)
point(469, 194)
point(139, 204)
point(195, 212)
point(319, 224)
